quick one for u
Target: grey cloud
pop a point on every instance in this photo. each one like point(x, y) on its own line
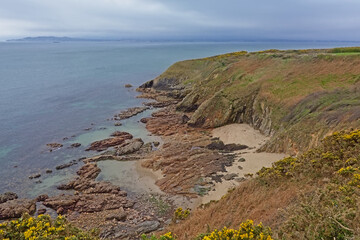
point(170, 19)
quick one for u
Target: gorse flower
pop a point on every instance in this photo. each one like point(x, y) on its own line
point(247, 231)
point(42, 227)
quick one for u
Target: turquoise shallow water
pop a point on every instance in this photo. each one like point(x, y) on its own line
point(49, 91)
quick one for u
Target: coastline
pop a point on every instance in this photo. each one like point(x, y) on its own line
point(147, 173)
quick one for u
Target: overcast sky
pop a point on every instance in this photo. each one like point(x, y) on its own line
point(182, 19)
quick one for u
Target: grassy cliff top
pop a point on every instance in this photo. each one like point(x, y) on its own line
point(295, 96)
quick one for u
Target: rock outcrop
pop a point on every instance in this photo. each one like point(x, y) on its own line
point(7, 197)
point(16, 208)
point(109, 142)
point(130, 112)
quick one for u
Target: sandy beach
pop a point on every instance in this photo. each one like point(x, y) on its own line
point(254, 161)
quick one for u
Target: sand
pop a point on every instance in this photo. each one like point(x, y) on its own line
point(135, 178)
point(241, 134)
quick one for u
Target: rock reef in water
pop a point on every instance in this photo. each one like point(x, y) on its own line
point(109, 142)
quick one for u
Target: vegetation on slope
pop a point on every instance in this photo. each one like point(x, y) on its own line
point(246, 231)
point(312, 196)
point(296, 96)
point(42, 227)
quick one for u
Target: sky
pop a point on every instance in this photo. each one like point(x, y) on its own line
point(182, 19)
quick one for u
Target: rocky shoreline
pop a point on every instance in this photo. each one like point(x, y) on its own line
point(189, 161)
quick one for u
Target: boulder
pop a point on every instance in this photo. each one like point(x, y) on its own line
point(35, 175)
point(7, 197)
point(75, 145)
point(230, 176)
point(130, 147)
point(42, 198)
point(109, 142)
point(119, 215)
point(54, 145)
point(16, 208)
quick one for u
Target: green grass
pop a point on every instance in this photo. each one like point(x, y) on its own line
point(346, 50)
point(347, 53)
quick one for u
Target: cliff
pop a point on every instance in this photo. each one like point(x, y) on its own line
point(297, 96)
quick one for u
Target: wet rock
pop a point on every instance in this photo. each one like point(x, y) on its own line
point(109, 142)
point(241, 160)
point(128, 85)
point(120, 134)
point(42, 198)
point(75, 145)
point(230, 176)
point(90, 171)
point(144, 120)
point(130, 112)
point(48, 171)
point(130, 147)
point(54, 145)
point(65, 165)
point(85, 182)
point(36, 175)
point(16, 208)
point(7, 197)
point(156, 144)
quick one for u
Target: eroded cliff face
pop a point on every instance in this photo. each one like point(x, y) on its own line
point(296, 97)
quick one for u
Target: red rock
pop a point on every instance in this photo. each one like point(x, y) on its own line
point(109, 142)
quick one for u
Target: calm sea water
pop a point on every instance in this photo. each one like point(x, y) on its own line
point(49, 91)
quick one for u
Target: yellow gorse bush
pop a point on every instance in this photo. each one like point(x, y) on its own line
point(247, 231)
point(166, 236)
point(41, 227)
point(181, 214)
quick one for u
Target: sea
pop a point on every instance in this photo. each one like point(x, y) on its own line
point(66, 92)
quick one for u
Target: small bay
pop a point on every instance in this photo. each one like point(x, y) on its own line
point(65, 92)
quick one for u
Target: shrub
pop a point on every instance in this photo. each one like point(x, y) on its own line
point(247, 231)
point(181, 214)
point(42, 227)
point(167, 236)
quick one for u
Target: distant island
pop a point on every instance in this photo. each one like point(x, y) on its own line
point(46, 39)
point(52, 39)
